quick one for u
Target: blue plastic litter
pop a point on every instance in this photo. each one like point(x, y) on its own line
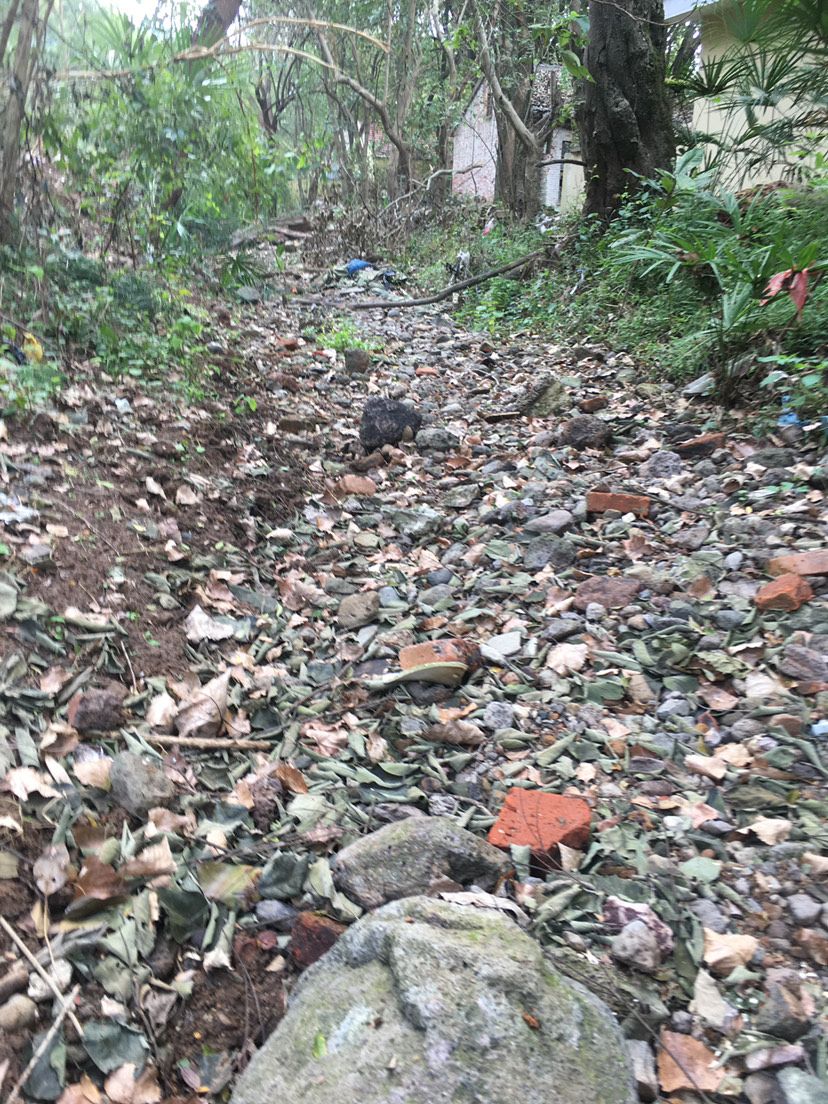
point(357, 265)
point(820, 728)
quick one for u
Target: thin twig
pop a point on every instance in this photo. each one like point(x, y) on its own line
point(44, 1044)
point(211, 744)
point(24, 950)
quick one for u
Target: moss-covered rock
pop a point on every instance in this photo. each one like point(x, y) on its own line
point(429, 1002)
point(404, 858)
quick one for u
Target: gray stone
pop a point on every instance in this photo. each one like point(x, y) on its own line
point(729, 619)
point(388, 596)
point(404, 859)
point(636, 945)
point(543, 551)
point(693, 538)
point(762, 1088)
point(803, 663)
point(249, 294)
point(710, 915)
point(498, 715)
point(501, 646)
point(561, 628)
point(429, 1002)
point(644, 1070)
point(662, 465)
point(799, 1087)
point(18, 1013)
point(585, 432)
point(432, 595)
point(358, 609)
point(553, 522)
point(384, 422)
point(139, 785)
point(804, 909)
point(276, 914)
point(773, 458)
point(437, 438)
point(462, 496)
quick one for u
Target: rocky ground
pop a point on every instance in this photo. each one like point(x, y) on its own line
point(549, 601)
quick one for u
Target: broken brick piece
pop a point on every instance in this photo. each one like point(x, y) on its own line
point(541, 821)
point(788, 593)
point(440, 651)
point(701, 446)
point(312, 936)
point(598, 502)
point(800, 563)
point(610, 591)
point(593, 404)
point(96, 710)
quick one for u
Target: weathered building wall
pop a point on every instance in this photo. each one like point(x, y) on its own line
point(474, 163)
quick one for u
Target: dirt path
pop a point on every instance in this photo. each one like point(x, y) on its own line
point(626, 650)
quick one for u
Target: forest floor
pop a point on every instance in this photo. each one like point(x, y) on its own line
point(226, 586)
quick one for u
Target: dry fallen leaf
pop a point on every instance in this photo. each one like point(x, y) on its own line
point(24, 781)
point(94, 771)
point(565, 659)
point(203, 714)
point(152, 862)
point(329, 739)
point(123, 1087)
point(84, 1092)
point(461, 733)
point(51, 870)
point(686, 1063)
point(770, 830)
point(291, 778)
point(723, 952)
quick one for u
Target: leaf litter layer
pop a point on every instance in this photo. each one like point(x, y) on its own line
point(306, 643)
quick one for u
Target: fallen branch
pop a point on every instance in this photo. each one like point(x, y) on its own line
point(205, 743)
point(439, 296)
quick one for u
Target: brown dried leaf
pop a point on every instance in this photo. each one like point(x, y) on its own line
point(204, 713)
point(686, 1063)
point(94, 771)
point(461, 733)
point(723, 952)
point(153, 861)
point(329, 739)
point(291, 778)
point(124, 1087)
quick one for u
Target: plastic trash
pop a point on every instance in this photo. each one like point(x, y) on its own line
point(357, 265)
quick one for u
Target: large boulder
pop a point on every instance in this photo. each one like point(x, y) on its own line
point(429, 1002)
point(406, 858)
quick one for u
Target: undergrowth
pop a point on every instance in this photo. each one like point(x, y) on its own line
point(678, 281)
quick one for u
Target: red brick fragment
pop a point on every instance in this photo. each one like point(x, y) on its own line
point(440, 651)
point(814, 562)
point(541, 821)
point(611, 591)
point(788, 592)
point(591, 405)
point(312, 936)
point(701, 446)
point(598, 502)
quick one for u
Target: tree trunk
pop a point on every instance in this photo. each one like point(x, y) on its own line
point(215, 21)
point(13, 121)
point(624, 117)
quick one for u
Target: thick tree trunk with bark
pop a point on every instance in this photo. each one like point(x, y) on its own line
point(624, 118)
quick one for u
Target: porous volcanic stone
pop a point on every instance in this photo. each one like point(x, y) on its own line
point(384, 421)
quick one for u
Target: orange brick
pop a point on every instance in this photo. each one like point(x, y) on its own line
point(311, 936)
point(426, 370)
point(701, 446)
point(788, 592)
point(591, 405)
point(541, 821)
point(800, 563)
point(598, 502)
point(440, 651)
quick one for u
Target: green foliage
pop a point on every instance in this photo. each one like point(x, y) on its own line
point(800, 385)
point(345, 335)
